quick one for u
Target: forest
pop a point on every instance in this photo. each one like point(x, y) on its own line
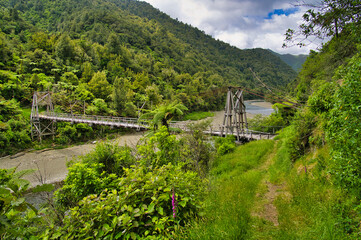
point(112, 57)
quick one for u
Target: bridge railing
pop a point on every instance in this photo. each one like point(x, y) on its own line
point(93, 118)
point(217, 129)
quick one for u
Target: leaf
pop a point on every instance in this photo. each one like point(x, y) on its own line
point(118, 235)
point(183, 203)
point(151, 208)
point(43, 188)
point(4, 191)
point(160, 210)
point(17, 202)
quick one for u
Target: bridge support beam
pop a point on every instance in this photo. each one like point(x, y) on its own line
point(41, 127)
point(235, 119)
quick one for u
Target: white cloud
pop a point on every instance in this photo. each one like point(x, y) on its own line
point(241, 23)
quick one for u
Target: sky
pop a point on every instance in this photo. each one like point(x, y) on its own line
point(241, 23)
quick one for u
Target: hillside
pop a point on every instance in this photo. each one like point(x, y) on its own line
point(294, 61)
point(184, 49)
point(111, 58)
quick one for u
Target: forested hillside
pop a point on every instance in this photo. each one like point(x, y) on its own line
point(113, 57)
point(295, 61)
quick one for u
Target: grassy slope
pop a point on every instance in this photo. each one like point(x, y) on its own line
point(234, 181)
point(257, 193)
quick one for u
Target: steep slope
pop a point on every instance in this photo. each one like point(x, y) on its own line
point(267, 66)
point(294, 61)
point(97, 19)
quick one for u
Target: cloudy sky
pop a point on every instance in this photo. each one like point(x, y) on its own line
point(241, 23)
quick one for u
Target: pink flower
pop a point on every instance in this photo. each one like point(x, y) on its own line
point(174, 204)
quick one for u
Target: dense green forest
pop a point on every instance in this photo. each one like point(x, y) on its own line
point(112, 58)
point(304, 184)
point(295, 61)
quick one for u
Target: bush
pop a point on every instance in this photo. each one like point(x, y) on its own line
point(225, 145)
point(97, 171)
point(141, 207)
point(344, 127)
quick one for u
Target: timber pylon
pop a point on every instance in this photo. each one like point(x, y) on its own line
point(41, 127)
point(235, 118)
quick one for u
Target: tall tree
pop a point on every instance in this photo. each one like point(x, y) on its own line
point(100, 86)
point(119, 94)
point(325, 19)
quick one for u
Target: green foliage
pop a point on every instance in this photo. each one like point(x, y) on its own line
point(343, 128)
point(99, 86)
point(165, 113)
point(126, 53)
point(18, 218)
point(141, 207)
point(320, 66)
point(197, 149)
point(68, 133)
point(128, 193)
point(97, 171)
point(225, 145)
point(14, 130)
point(195, 116)
point(160, 149)
point(326, 18)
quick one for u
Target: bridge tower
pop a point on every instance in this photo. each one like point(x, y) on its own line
point(41, 127)
point(235, 119)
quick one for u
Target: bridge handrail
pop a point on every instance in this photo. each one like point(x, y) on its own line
point(94, 118)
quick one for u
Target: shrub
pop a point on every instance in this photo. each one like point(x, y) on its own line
point(141, 207)
point(225, 145)
point(97, 171)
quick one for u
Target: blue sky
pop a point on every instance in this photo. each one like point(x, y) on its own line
point(241, 23)
point(279, 12)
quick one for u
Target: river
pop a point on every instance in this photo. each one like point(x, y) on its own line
point(51, 163)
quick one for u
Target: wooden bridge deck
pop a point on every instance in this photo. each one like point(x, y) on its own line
point(96, 120)
point(139, 125)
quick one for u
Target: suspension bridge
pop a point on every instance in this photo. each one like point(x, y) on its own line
point(234, 122)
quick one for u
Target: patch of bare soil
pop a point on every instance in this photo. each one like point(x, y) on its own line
point(269, 211)
point(264, 202)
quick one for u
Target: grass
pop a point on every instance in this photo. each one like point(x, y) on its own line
point(195, 116)
point(234, 181)
point(310, 206)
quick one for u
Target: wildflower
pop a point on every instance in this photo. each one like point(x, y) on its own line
point(174, 204)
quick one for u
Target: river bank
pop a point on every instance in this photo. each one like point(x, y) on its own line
point(51, 163)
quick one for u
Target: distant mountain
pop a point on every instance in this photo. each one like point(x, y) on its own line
point(294, 61)
point(269, 68)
